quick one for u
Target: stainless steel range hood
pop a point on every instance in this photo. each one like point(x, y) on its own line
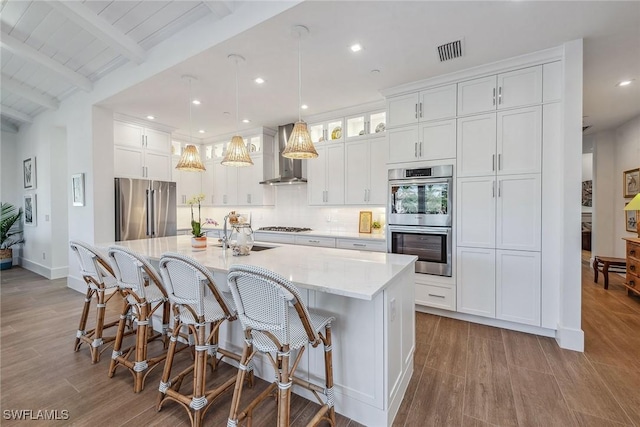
point(289, 170)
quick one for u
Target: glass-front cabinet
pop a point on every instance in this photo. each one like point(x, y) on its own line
point(217, 151)
point(328, 131)
point(367, 124)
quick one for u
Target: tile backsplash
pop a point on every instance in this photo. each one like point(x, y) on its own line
point(291, 210)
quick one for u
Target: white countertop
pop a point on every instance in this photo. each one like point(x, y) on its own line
point(355, 274)
point(381, 236)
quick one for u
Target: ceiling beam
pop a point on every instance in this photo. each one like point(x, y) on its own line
point(25, 92)
point(15, 114)
point(25, 51)
point(220, 8)
point(100, 29)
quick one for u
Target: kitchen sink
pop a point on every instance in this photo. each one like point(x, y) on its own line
point(258, 248)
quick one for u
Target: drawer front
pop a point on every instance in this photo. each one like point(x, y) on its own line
point(362, 245)
point(326, 242)
point(274, 237)
point(436, 296)
point(633, 280)
point(633, 250)
point(633, 266)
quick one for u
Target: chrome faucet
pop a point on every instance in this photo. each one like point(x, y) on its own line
point(225, 239)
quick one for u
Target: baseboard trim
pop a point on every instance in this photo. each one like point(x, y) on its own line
point(49, 273)
point(571, 339)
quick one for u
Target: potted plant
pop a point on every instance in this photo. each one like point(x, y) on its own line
point(376, 226)
point(10, 233)
point(198, 236)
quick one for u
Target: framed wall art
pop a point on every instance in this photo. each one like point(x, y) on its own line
point(77, 189)
point(631, 180)
point(29, 173)
point(30, 210)
point(365, 222)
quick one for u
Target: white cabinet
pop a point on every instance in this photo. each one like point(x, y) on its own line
point(426, 141)
point(440, 296)
point(503, 212)
point(507, 142)
point(552, 82)
point(326, 176)
point(366, 125)
point(499, 284)
point(431, 104)
point(329, 131)
point(365, 172)
point(518, 284)
point(507, 90)
point(250, 191)
point(225, 185)
point(325, 242)
point(141, 152)
point(207, 184)
point(362, 245)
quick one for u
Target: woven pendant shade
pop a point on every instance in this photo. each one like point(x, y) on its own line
point(190, 160)
point(237, 153)
point(299, 145)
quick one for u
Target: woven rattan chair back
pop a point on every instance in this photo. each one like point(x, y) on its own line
point(93, 264)
point(131, 270)
point(262, 300)
point(185, 280)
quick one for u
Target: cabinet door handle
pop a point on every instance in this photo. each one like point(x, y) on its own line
point(224, 199)
point(494, 96)
point(249, 198)
point(143, 171)
point(632, 252)
point(499, 161)
point(499, 188)
point(436, 296)
point(493, 188)
point(500, 95)
point(212, 199)
point(420, 149)
point(314, 241)
point(632, 283)
point(360, 245)
point(416, 111)
point(632, 267)
point(415, 150)
point(421, 110)
point(493, 162)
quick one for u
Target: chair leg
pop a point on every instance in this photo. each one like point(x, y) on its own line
point(83, 319)
point(328, 375)
point(117, 345)
point(237, 390)
point(140, 364)
point(284, 388)
point(595, 269)
point(198, 401)
point(168, 364)
point(97, 336)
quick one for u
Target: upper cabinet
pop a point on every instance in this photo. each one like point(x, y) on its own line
point(327, 131)
point(366, 125)
point(326, 176)
point(517, 88)
point(141, 152)
point(365, 172)
point(431, 104)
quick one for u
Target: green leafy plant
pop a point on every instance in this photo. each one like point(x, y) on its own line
point(376, 225)
point(10, 226)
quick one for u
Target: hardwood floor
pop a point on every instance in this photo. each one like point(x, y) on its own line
point(465, 374)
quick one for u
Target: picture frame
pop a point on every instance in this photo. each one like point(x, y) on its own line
point(365, 222)
point(631, 220)
point(29, 173)
point(30, 210)
point(77, 189)
point(631, 183)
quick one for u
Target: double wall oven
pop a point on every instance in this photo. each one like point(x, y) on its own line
point(420, 216)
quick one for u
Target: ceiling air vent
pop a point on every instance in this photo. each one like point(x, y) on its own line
point(450, 50)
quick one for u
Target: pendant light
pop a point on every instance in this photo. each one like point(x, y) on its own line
point(299, 145)
point(190, 160)
point(237, 153)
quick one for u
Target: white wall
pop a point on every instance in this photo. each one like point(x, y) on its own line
point(614, 152)
point(10, 167)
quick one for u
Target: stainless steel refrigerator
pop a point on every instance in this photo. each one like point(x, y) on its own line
point(144, 208)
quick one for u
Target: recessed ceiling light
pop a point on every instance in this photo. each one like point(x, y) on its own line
point(151, 117)
point(201, 131)
point(356, 47)
point(624, 83)
point(304, 106)
point(246, 121)
point(196, 102)
point(259, 80)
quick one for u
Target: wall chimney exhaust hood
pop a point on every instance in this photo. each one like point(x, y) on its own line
point(290, 170)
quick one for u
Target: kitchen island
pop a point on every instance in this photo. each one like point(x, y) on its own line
point(370, 294)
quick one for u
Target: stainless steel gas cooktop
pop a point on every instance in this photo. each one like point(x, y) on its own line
point(285, 229)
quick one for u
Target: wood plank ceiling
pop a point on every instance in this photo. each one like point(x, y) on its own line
point(52, 48)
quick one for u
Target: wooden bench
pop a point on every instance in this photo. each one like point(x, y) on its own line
point(606, 264)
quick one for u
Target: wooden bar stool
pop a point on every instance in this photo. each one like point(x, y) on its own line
point(276, 321)
point(98, 275)
point(141, 286)
point(187, 282)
